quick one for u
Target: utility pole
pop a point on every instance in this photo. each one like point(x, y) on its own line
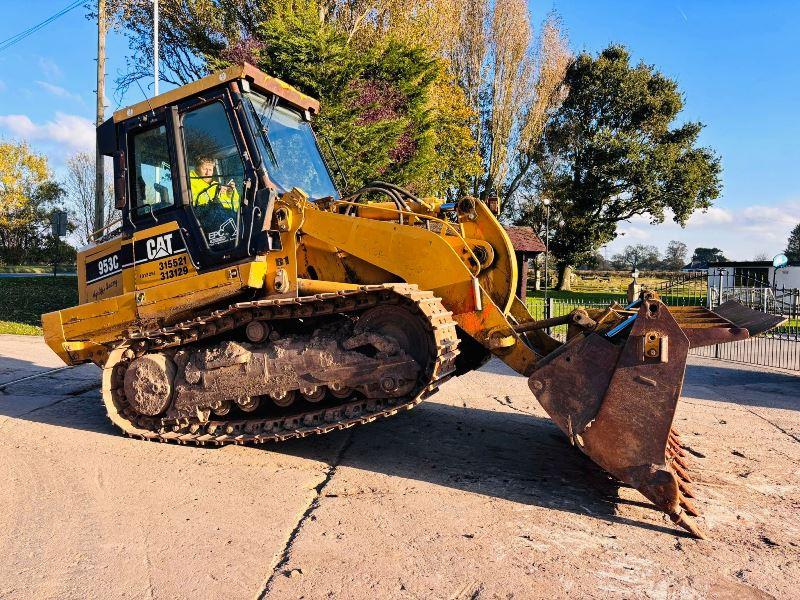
point(99, 191)
point(155, 47)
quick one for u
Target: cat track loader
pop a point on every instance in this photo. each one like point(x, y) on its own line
point(243, 299)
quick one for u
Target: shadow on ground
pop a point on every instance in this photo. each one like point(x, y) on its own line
point(514, 456)
point(505, 453)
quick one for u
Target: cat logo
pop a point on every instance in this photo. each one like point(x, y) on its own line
point(159, 247)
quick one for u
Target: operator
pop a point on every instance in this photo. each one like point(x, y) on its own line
point(206, 189)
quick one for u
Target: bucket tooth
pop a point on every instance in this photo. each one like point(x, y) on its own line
point(686, 489)
point(689, 506)
point(683, 464)
point(677, 450)
point(685, 521)
point(682, 473)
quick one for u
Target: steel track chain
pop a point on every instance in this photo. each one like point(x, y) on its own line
point(438, 321)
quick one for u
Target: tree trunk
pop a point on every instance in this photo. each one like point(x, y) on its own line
point(564, 277)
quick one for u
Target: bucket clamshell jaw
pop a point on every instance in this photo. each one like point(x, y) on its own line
point(614, 393)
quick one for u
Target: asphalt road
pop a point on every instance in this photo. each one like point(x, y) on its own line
point(474, 494)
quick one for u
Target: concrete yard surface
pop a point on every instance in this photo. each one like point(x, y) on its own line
point(473, 494)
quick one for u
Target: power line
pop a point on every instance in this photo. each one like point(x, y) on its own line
point(7, 43)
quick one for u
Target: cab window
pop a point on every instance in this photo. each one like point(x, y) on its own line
point(152, 175)
point(216, 174)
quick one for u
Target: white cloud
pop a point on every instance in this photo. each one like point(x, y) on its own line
point(633, 234)
point(740, 233)
point(57, 90)
point(64, 133)
point(50, 69)
point(713, 216)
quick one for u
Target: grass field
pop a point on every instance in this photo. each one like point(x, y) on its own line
point(23, 300)
point(36, 268)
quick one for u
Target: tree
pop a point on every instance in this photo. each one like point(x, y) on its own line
point(512, 80)
point(79, 186)
point(708, 255)
point(761, 257)
point(472, 128)
point(793, 245)
point(675, 256)
point(596, 263)
point(610, 153)
point(639, 256)
point(28, 196)
point(390, 108)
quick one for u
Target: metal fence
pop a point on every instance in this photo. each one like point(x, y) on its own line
point(779, 347)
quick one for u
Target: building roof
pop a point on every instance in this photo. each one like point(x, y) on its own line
point(524, 239)
point(257, 79)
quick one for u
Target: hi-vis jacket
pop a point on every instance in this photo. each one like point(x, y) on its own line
point(203, 192)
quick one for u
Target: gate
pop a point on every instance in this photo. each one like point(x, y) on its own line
point(779, 347)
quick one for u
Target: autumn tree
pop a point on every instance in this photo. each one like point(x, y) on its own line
point(390, 108)
point(496, 82)
point(28, 196)
point(793, 245)
point(611, 152)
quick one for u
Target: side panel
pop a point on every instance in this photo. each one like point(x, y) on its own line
point(104, 270)
point(160, 256)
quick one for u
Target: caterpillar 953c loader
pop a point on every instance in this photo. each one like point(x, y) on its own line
point(243, 300)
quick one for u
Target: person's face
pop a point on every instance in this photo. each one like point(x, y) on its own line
point(205, 168)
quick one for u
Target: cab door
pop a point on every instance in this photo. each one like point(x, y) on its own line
point(217, 179)
point(160, 252)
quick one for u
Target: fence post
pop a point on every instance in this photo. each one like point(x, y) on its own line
point(549, 311)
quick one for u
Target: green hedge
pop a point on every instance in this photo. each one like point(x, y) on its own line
point(24, 299)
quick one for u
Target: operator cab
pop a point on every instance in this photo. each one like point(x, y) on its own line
point(211, 157)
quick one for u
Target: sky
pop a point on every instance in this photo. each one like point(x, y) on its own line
point(735, 61)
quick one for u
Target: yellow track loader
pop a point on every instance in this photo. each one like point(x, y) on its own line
point(243, 299)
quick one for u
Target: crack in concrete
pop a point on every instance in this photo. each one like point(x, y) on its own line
point(775, 425)
point(5, 384)
point(510, 405)
point(286, 553)
point(711, 404)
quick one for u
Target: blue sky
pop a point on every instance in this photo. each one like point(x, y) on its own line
point(736, 62)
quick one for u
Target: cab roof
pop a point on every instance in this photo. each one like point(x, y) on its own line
point(257, 78)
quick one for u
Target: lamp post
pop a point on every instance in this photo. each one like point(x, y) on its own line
point(546, 203)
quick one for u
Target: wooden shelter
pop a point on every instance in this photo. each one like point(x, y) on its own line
point(527, 245)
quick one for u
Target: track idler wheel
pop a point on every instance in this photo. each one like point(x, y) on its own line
point(616, 402)
point(149, 383)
